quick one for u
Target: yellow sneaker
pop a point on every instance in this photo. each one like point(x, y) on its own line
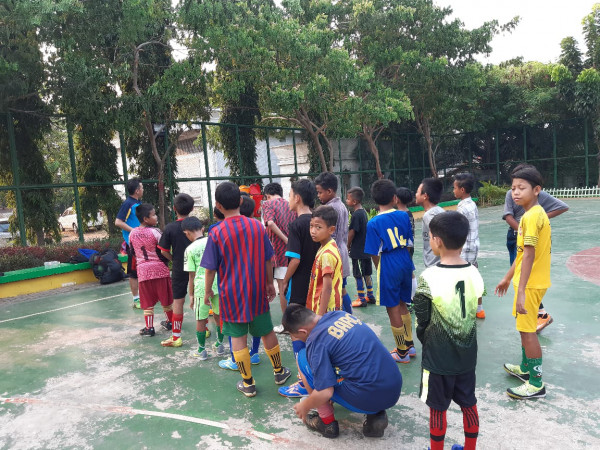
point(172, 342)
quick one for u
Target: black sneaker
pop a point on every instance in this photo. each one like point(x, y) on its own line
point(247, 390)
point(314, 422)
point(372, 301)
point(167, 325)
point(147, 332)
point(282, 376)
point(374, 424)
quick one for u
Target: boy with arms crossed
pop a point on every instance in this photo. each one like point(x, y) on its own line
point(428, 196)
point(153, 273)
point(388, 237)
point(239, 249)
point(530, 274)
point(463, 186)
point(194, 231)
point(327, 184)
point(172, 245)
point(445, 306)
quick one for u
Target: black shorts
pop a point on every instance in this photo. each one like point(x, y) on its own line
point(439, 390)
point(131, 263)
point(179, 282)
point(362, 268)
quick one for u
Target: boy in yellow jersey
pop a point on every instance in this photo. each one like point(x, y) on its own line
point(530, 274)
point(325, 289)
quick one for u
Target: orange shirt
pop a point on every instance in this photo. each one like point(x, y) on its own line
point(327, 261)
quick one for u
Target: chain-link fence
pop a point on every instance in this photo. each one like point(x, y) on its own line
point(564, 152)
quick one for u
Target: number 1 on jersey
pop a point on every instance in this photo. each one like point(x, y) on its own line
point(460, 290)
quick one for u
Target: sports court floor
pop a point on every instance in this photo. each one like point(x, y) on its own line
point(75, 374)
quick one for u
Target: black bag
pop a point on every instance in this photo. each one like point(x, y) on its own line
point(107, 267)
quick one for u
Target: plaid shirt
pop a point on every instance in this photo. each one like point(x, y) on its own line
point(468, 208)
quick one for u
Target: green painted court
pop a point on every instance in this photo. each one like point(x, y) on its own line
point(74, 373)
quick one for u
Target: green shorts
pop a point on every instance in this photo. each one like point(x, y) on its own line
point(260, 326)
point(201, 309)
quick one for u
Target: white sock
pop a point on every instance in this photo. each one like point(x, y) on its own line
point(136, 298)
point(413, 290)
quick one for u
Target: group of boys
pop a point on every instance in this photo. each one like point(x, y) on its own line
point(307, 251)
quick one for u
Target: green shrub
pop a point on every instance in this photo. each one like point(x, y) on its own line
point(491, 195)
point(17, 258)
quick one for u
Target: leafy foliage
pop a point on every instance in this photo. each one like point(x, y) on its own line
point(491, 195)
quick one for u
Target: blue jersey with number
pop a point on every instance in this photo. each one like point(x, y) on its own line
point(367, 376)
point(388, 235)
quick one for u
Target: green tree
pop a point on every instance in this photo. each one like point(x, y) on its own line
point(591, 33)
point(21, 83)
point(570, 55)
point(417, 49)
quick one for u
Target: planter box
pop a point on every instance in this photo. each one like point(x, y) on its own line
point(39, 279)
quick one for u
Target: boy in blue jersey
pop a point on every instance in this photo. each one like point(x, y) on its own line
point(389, 235)
point(343, 362)
point(127, 220)
point(445, 307)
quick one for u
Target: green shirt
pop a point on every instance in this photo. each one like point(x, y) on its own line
point(445, 305)
point(191, 263)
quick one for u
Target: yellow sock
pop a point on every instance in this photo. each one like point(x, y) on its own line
point(399, 338)
point(407, 325)
point(275, 356)
point(242, 358)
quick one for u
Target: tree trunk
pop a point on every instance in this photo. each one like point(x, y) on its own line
point(425, 129)
point(308, 126)
point(160, 173)
point(40, 237)
point(368, 135)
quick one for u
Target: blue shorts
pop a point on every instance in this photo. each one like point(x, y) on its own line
point(391, 291)
point(307, 372)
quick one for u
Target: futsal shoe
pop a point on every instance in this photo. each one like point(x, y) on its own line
point(515, 371)
point(171, 342)
point(358, 303)
point(228, 364)
point(220, 348)
point(400, 359)
point(412, 352)
point(278, 329)
point(282, 376)
point(147, 332)
point(211, 312)
point(527, 391)
point(543, 321)
point(457, 447)
point(372, 301)
point(249, 390)
point(375, 424)
point(296, 390)
point(480, 314)
point(207, 333)
point(201, 355)
point(166, 325)
point(255, 359)
point(136, 304)
point(314, 422)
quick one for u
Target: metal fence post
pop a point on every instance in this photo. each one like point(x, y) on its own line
point(239, 152)
point(269, 155)
point(16, 178)
point(208, 189)
point(554, 155)
point(123, 159)
point(295, 155)
point(525, 143)
point(497, 157)
point(586, 149)
point(340, 171)
point(394, 159)
point(74, 178)
point(409, 163)
point(169, 171)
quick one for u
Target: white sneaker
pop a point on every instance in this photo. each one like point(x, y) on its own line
point(278, 329)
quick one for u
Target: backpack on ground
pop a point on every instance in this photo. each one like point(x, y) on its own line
point(107, 267)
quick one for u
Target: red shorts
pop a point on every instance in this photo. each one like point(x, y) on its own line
point(154, 291)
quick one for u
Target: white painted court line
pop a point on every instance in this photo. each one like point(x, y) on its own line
point(126, 410)
point(63, 308)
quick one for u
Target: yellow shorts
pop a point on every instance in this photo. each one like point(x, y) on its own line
point(527, 323)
